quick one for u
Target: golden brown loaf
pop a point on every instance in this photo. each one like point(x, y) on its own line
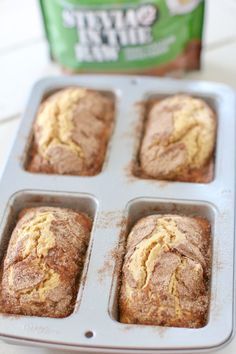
point(165, 276)
point(44, 261)
point(179, 140)
point(71, 132)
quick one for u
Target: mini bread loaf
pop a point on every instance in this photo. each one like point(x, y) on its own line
point(71, 132)
point(179, 140)
point(166, 272)
point(44, 261)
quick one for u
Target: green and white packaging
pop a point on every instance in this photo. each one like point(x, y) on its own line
point(135, 36)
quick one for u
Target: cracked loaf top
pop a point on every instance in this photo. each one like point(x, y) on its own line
point(71, 132)
point(179, 140)
point(44, 261)
point(166, 271)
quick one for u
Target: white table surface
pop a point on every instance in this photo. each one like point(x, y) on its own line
point(24, 59)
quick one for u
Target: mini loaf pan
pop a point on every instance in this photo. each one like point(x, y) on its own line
point(115, 199)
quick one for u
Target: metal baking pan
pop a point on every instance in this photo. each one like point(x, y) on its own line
point(116, 200)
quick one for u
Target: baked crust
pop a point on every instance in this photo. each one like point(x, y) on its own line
point(71, 132)
point(179, 140)
point(166, 272)
point(44, 261)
